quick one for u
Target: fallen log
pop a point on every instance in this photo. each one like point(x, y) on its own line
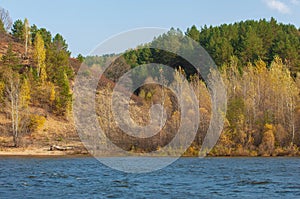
point(60, 148)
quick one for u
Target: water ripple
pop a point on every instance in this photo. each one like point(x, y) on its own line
point(186, 178)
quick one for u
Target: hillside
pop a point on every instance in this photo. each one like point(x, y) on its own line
point(55, 129)
point(262, 85)
point(17, 47)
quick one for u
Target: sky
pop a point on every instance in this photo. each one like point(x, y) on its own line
point(87, 23)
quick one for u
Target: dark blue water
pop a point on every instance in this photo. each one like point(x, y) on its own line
point(186, 178)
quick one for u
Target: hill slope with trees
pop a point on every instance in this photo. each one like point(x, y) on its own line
point(36, 73)
point(258, 60)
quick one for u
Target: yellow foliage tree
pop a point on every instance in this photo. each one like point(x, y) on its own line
point(26, 33)
point(52, 93)
point(268, 141)
point(25, 93)
point(40, 56)
point(2, 88)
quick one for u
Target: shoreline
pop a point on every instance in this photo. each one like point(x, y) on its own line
point(42, 152)
point(45, 153)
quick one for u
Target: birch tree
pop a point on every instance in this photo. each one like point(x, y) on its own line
point(26, 35)
point(5, 19)
point(12, 92)
point(40, 56)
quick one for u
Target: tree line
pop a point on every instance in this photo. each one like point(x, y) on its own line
point(38, 78)
point(258, 61)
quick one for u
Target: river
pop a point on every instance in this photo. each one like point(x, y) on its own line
point(185, 178)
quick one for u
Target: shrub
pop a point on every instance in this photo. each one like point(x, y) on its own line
point(37, 122)
point(2, 87)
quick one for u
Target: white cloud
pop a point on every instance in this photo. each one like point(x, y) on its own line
point(295, 2)
point(279, 6)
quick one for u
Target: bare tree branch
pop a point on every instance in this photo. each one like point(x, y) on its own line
point(5, 18)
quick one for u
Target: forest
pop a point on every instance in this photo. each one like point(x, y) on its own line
point(258, 61)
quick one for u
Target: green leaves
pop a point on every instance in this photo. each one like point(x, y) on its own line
point(18, 30)
point(252, 40)
point(10, 58)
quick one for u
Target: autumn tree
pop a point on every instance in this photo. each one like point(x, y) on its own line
point(52, 94)
point(287, 95)
point(268, 140)
point(261, 97)
point(204, 99)
point(2, 91)
point(25, 94)
point(39, 57)
point(26, 35)
point(2, 29)
point(18, 96)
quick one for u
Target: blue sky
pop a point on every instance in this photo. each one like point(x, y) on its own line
point(84, 24)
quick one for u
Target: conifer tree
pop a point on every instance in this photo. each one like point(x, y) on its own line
point(18, 30)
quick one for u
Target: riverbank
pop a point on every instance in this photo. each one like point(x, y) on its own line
point(46, 152)
point(40, 152)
